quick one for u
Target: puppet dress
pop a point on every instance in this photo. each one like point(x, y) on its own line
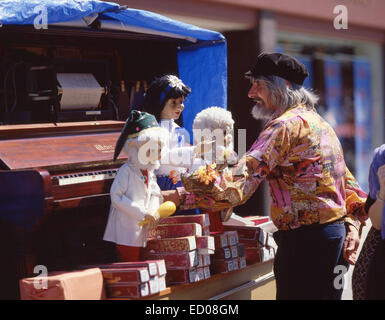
point(176, 157)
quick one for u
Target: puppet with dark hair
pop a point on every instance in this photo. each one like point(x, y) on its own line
point(165, 100)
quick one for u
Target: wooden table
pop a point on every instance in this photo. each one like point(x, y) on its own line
point(255, 282)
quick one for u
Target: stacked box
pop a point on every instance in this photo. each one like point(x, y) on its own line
point(206, 231)
point(234, 251)
point(200, 274)
point(252, 255)
point(235, 264)
point(204, 260)
point(241, 250)
point(258, 245)
point(176, 260)
point(242, 262)
point(202, 219)
point(181, 276)
point(185, 244)
point(257, 220)
point(151, 265)
point(175, 231)
point(221, 266)
point(220, 240)
point(226, 257)
point(267, 254)
point(222, 253)
point(115, 275)
point(128, 290)
point(205, 245)
point(206, 271)
point(232, 237)
point(133, 279)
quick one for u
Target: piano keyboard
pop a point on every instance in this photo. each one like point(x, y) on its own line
point(86, 177)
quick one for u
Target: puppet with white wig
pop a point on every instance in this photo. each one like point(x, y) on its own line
point(212, 124)
point(135, 194)
point(217, 124)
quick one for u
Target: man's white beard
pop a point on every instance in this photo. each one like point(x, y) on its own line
point(134, 160)
point(260, 112)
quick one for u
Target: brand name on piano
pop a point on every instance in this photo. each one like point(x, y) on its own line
point(104, 148)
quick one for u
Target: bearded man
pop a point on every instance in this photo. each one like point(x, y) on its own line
point(316, 204)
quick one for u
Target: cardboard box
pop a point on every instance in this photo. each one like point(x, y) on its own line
point(220, 240)
point(76, 285)
point(181, 276)
point(200, 274)
point(202, 219)
point(257, 220)
point(153, 285)
point(206, 271)
point(151, 265)
point(171, 245)
point(160, 263)
point(162, 283)
point(221, 266)
point(242, 262)
point(206, 231)
point(245, 232)
point(222, 253)
point(176, 260)
point(128, 290)
point(250, 243)
point(241, 249)
point(235, 264)
point(234, 251)
point(204, 244)
point(253, 255)
point(204, 251)
point(270, 242)
point(232, 237)
point(175, 231)
point(204, 260)
point(267, 254)
point(134, 274)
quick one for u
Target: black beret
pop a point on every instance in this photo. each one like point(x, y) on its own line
point(281, 65)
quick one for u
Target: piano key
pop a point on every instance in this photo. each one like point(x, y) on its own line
point(85, 177)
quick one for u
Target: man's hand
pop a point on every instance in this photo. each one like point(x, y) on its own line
point(171, 195)
point(351, 243)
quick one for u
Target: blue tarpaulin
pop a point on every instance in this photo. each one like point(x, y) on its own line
point(202, 66)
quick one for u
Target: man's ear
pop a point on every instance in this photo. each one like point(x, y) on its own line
point(288, 84)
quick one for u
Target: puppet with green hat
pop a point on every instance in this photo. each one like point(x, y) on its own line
point(135, 194)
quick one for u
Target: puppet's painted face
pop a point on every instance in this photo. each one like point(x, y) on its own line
point(172, 109)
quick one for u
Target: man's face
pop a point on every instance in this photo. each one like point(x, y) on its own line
point(260, 94)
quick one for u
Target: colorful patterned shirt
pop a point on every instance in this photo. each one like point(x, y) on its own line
point(309, 182)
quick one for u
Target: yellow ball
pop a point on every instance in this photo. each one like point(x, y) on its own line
point(166, 209)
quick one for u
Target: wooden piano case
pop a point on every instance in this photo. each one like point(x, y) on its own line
point(46, 216)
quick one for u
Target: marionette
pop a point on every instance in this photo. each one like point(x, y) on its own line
point(165, 100)
point(219, 125)
point(135, 194)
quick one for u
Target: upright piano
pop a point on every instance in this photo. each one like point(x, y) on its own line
point(54, 197)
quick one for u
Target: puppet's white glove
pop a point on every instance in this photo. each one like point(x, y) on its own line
point(152, 216)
